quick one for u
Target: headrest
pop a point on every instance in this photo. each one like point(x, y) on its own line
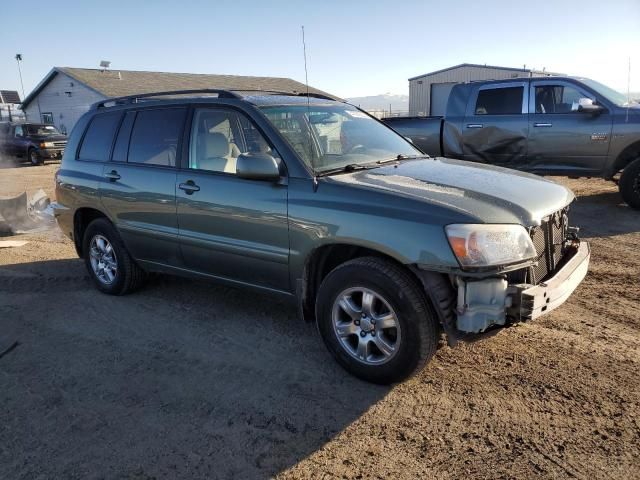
point(216, 145)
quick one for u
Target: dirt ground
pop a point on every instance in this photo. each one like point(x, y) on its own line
point(192, 380)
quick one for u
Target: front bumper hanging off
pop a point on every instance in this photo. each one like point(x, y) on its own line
point(490, 302)
point(537, 300)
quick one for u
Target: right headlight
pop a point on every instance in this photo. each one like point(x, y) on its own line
point(482, 245)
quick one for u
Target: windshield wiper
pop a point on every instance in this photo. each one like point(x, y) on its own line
point(351, 167)
point(397, 158)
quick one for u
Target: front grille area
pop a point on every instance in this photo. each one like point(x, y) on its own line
point(550, 242)
point(61, 144)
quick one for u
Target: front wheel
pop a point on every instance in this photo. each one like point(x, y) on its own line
point(630, 184)
point(34, 158)
point(375, 320)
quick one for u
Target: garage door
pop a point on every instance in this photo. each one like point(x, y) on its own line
point(439, 96)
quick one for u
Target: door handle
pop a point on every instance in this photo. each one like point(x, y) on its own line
point(189, 187)
point(543, 124)
point(112, 175)
point(474, 125)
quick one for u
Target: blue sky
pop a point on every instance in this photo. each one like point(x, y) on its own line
point(354, 47)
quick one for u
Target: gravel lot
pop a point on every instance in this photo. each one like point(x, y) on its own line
point(192, 380)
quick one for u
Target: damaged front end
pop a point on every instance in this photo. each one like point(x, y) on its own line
point(480, 301)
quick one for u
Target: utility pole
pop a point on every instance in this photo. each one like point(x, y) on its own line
point(19, 59)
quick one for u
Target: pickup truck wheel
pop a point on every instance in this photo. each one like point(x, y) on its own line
point(375, 320)
point(109, 264)
point(630, 184)
point(33, 157)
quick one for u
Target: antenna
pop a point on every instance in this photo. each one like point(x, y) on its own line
point(306, 75)
point(628, 90)
point(306, 81)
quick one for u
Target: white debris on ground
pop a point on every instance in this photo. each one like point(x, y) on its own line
point(12, 243)
point(21, 214)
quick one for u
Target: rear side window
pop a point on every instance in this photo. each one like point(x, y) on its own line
point(154, 139)
point(96, 145)
point(500, 101)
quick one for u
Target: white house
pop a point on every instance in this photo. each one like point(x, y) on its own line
point(66, 93)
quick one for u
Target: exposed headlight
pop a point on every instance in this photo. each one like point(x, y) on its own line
point(46, 144)
point(489, 245)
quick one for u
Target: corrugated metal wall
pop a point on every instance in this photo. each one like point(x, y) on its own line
point(420, 88)
point(66, 108)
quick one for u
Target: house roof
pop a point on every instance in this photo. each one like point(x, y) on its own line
point(526, 70)
point(119, 83)
point(9, 96)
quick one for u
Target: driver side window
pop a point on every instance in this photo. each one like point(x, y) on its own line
point(557, 99)
point(19, 132)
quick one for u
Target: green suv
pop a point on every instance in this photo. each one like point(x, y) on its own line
point(312, 199)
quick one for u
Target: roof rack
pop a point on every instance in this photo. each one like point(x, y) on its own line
point(221, 94)
point(291, 94)
point(134, 98)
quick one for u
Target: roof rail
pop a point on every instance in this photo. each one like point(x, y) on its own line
point(222, 93)
point(280, 92)
point(134, 98)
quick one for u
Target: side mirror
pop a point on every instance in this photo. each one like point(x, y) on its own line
point(257, 166)
point(586, 105)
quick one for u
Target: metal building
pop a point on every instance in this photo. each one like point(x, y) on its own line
point(428, 93)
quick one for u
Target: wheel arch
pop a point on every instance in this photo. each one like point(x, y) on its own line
point(323, 259)
point(81, 220)
point(628, 155)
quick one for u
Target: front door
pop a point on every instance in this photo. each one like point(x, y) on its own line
point(230, 227)
point(561, 139)
point(495, 127)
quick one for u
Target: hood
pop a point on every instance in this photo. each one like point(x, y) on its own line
point(487, 193)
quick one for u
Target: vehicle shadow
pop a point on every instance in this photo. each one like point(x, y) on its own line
point(183, 379)
point(604, 214)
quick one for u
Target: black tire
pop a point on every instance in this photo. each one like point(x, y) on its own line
point(129, 276)
point(630, 184)
point(417, 319)
point(33, 157)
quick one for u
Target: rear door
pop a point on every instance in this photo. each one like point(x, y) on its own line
point(561, 139)
point(495, 127)
point(230, 227)
point(138, 184)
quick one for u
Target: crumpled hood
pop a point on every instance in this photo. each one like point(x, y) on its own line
point(487, 193)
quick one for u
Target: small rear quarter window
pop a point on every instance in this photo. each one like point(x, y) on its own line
point(97, 141)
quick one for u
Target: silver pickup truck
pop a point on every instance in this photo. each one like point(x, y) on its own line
point(551, 126)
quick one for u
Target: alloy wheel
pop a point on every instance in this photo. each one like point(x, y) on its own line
point(366, 325)
point(103, 259)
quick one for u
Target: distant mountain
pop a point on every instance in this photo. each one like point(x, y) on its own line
point(398, 103)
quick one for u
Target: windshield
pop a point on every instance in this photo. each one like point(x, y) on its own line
point(333, 136)
point(609, 93)
point(42, 130)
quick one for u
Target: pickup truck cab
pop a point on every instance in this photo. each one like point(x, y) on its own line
point(314, 200)
point(551, 126)
point(34, 142)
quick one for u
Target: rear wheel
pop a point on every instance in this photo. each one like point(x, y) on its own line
point(109, 264)
point(374, 319)
point(34, 158)
point(630, 184)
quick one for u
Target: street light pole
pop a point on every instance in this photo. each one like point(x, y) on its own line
point(19, 59)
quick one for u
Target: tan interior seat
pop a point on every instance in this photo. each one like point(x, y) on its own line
point(219, 155)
